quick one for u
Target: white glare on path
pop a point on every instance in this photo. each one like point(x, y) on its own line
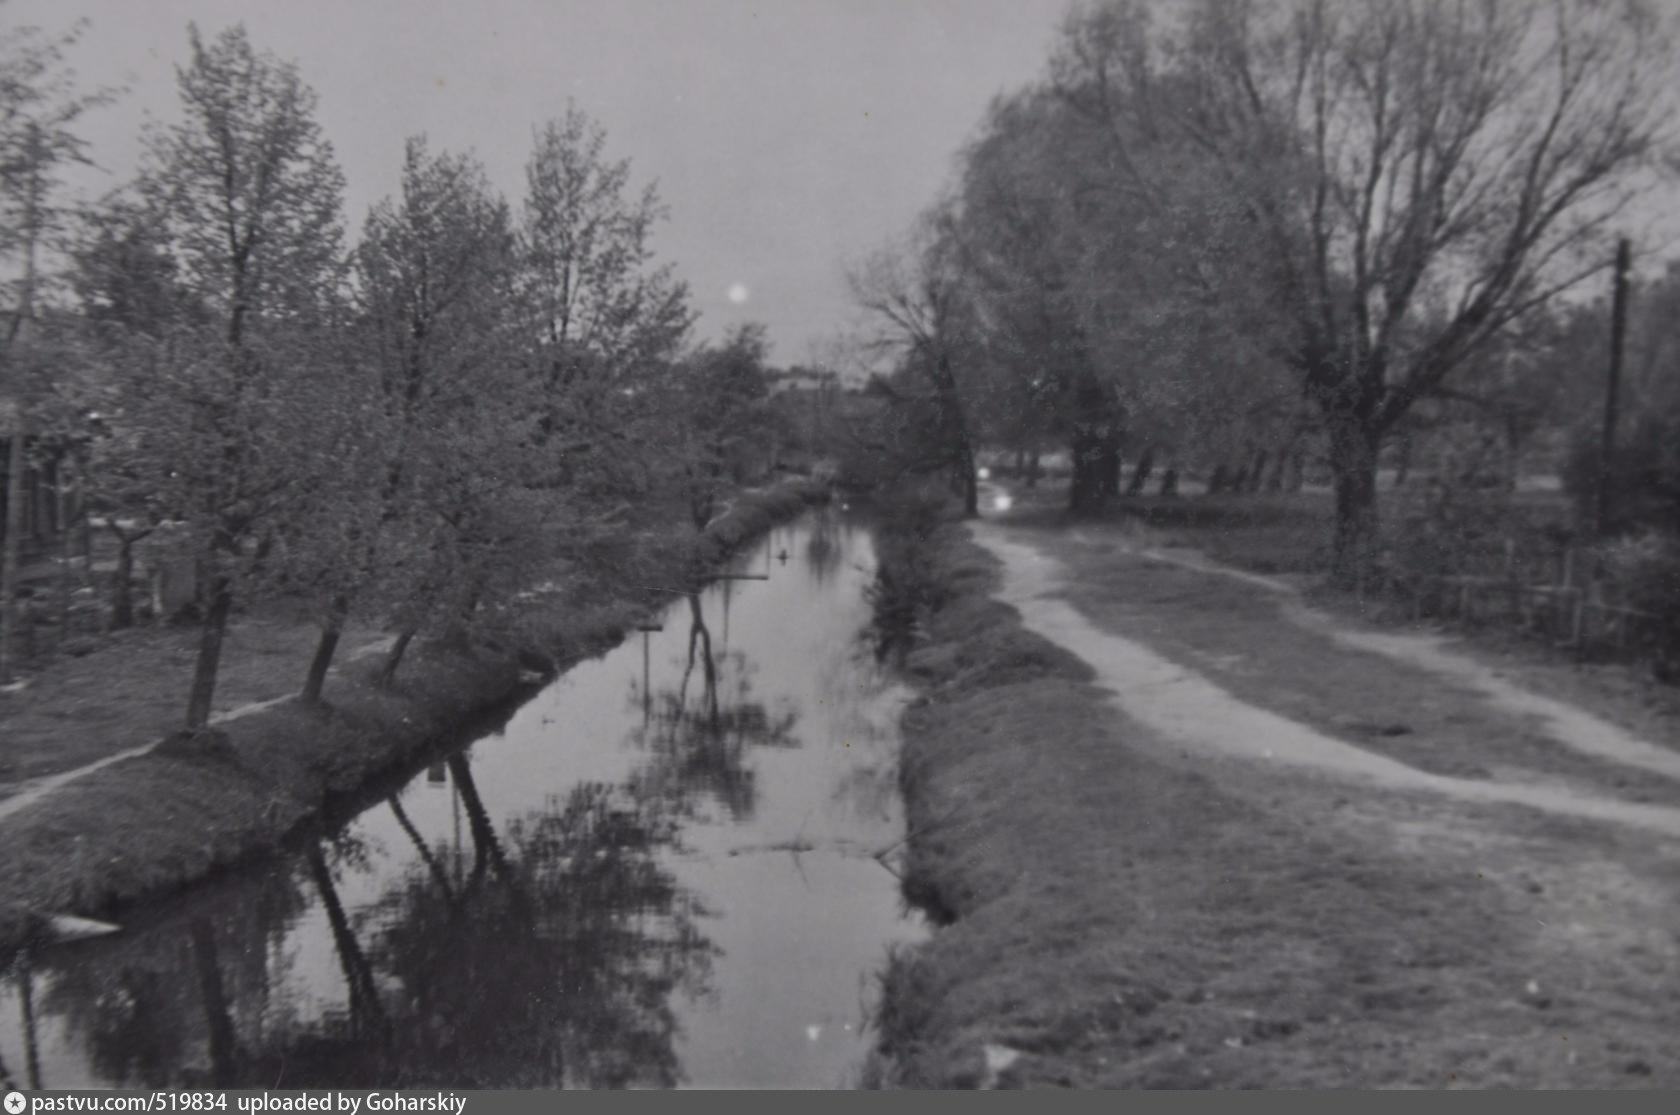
point(738, 293)
point(1001, 501)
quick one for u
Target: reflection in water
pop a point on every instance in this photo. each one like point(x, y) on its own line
point(551, 965)
point(553, 906)
point(700, 749)
point(823, 552)
point(26, 1003)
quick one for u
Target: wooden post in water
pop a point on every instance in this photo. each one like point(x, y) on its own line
point(647, 630)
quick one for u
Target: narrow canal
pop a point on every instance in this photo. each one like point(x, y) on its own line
point(673, 866)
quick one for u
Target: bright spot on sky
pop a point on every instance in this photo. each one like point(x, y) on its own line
point(1001, 501)
point(738, 293)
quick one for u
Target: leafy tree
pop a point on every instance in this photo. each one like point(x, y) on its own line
point(1420, 176)
point(721, 416)
point(607, 317)
point(132, 306)
point(1022, 238)
point(248, 197)
point(434, 276)
point(40, 106)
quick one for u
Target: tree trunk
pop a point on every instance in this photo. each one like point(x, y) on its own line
point(64, 579)
point(388, 672)
point(955, 420)
point(486, 844)
point(352, 961)
point(1169, 483)
point(1095, 448)
point(324, 650)
point(25, 968)
point(439, 876)
point(970, 481)
point(211, 634)
point(1081, 488)
point(1140, 474)
point(122, 588)
point(1353, 459)
point(1033, 468)
point(212, 995)
point(11, 556)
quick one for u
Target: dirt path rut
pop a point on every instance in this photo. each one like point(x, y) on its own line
point(1188, 708)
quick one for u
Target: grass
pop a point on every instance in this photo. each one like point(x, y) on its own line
point(1288, 536)
point(1122, 919)
point(132, 690)
point(181, 810)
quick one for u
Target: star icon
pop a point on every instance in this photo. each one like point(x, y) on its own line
point(15, 1103)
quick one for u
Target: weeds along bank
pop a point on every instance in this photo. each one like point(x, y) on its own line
point(193, 805)
point(985, 772)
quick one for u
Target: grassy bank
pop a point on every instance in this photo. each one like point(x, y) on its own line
point(1121, 908)
point(185, 808)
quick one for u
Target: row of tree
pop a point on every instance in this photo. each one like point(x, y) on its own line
point(1213, 228)
point(399, 428)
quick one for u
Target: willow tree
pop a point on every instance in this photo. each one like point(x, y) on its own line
point(1419, 175)
point(1024, 232)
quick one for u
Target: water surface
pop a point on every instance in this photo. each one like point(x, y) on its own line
point(662, 870)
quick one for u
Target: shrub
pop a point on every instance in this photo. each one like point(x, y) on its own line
point(1643, 482)
point(1643, 571)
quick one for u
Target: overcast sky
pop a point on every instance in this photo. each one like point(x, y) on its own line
point(787, 136)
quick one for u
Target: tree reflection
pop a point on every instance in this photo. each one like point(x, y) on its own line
point(700, 742)
point(553, 962)
point(823, 549)
point(160, 1005)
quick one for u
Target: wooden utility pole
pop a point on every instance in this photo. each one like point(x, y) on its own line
point(1613, 388)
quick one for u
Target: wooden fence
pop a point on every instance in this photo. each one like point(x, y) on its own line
point(1566, 613)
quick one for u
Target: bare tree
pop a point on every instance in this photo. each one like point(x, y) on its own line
point(1417, 175)
point(916, 300)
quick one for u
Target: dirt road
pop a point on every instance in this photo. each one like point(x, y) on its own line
point(1186, 708)
point(1268, 846)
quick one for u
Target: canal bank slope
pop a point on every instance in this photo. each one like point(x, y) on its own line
point(156, 821)
point(1127, 905)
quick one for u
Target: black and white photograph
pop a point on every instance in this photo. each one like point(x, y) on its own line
point(836, 544)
